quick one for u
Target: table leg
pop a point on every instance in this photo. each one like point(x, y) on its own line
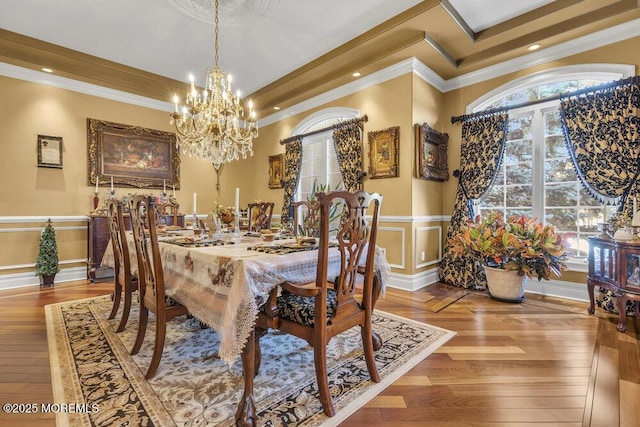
point(621, 302)
point(592, 301)
point(246, 413)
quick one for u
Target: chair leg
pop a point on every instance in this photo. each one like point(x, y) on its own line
point(117, 292)
point(368, 346)
point(125, 310)
point(320, 360)
point(142, 328)
point(158, 347)
point(257, 361)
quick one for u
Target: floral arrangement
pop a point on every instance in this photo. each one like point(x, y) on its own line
point(226, 214)
point(520, 243)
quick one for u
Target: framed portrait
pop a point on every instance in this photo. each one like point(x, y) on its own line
point(431, 153)
point(132, 156)
point(276, 170)
point(383, 153)
point(49, 151)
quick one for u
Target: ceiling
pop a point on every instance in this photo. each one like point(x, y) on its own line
point(281, 52)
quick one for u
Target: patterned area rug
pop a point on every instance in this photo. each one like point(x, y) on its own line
point(93, 371)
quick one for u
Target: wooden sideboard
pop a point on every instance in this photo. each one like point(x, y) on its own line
point(98, 239)
point(614, 265)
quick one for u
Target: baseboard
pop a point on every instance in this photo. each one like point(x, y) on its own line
point(21, 280)
point(413, 282)
point(555, 288)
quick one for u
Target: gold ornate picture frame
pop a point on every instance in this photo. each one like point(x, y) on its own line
point(276, 170)
point(49, 151)
point(133, 156)
point(431, 153)
point(383, 153)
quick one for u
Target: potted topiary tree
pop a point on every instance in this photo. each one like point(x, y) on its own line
point(512, 250)
point(47, 261)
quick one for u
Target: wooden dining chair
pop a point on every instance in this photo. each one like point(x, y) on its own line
point(151, 279)
point(322, 309)
point(124, 282)
point(168, 212)
point(306, 218)
point(260, 215)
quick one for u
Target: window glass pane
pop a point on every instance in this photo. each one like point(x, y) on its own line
point(552, 124)
point(559, 171)
point(555, 147)
point(557, 88)
point(519, 150)
point(520, 128)
point(519, 174)
point(518, 212)
point(519, 195)
point(563, 219)
point(494, 197)
point(565, 194)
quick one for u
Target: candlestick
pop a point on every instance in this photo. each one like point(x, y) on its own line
point(194, 203)
point(237, 200)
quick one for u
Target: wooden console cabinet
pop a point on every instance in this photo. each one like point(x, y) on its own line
point(98, 239)
point(615, 265)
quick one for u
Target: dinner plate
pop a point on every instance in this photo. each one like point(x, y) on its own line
point(298, 245)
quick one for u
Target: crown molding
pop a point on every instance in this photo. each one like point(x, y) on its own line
point(59, 82)
point(581, 44)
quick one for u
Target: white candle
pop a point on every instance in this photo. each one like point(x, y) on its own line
point(164, 186)
point(96, 184)
point(237, 199)
point(111, 183)
point(635, 219)
point(174, 191)
point(194, 203)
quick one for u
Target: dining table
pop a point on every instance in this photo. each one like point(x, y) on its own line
point(222, 278)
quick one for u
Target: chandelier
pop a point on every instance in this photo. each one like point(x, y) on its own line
point(213, 125)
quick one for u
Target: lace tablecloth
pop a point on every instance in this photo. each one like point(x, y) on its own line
point(219, 285)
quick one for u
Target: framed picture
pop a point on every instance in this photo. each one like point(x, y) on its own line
point(276, 170)
point(49, 151)
point(431, 153)
point(383, 153)
point(132, 156)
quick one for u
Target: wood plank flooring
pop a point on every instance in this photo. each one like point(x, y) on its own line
point(544, 362)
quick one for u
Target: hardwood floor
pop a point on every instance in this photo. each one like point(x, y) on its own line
point(544, 362)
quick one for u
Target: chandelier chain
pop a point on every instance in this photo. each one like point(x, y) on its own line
point(212, 125)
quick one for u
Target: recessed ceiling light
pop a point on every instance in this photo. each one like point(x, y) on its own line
point(276, 108)
point(534, 47)
point(356, 74)
point(47, 70)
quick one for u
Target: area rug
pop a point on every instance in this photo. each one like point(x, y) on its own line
point(102, 384)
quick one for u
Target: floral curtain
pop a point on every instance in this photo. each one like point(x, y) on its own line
point(603, 139)
point(347, 141)
point(481, 155)
point(602, 136)
point(292, 164)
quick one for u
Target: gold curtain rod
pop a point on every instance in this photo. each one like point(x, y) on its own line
point(357, 120)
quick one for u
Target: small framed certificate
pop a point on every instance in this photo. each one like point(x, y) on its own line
point(49, 151)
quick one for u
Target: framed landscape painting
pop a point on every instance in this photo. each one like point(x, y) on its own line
point(431, 153)
point(131, 155)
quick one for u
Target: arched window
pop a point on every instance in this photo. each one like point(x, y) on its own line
point(319, 162)
point(537, 177)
